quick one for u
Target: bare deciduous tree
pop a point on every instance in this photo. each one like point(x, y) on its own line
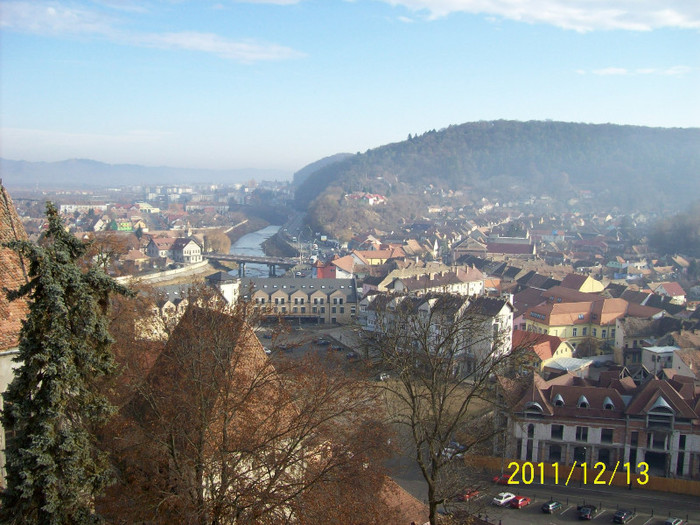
point(219, 434)
point(442, 354)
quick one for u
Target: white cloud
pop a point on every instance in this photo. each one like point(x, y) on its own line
point(611, 71)
point(621, 71)
point(242, 51)
point(577, 15)
point(54, 19)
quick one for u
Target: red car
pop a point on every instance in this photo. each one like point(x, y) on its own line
point(519, 502)
point(467, 494)
point(502, 479)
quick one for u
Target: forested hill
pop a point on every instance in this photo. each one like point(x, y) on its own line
point(627, 166)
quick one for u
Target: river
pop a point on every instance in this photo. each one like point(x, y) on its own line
point(250, 244)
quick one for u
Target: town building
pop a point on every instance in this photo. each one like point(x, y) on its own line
point(321, 301)
point(571, 419)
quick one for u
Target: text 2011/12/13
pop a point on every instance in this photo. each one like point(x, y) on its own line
point(535, 473)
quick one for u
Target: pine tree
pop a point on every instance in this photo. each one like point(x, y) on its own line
point(52, 407)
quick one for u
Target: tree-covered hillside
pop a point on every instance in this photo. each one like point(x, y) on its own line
point(626, 166)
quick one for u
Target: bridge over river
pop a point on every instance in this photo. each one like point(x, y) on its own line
point(241, 260)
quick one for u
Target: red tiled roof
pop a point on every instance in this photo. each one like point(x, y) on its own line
point(12, 274)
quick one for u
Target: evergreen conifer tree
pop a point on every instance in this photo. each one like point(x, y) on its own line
point(52, 407)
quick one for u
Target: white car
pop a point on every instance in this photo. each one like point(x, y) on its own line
point(503, 499)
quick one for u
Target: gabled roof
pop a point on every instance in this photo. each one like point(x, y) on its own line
point(671, 289)
point(574, 281)
point(346, 263)
point(544, 346)
point(181, 242)
point(648, 396)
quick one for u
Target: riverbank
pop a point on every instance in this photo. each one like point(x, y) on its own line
point(253, 224)
point(276, 246)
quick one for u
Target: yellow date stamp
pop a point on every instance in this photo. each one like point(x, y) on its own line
point(527, 473)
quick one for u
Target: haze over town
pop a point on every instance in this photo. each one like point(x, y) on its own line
point(278, 84)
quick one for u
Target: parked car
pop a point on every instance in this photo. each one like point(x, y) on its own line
point(623, 516)
point(551, 506)
point(467, 494)
point(352, 356)
point(673, 521)
point(519, 502)
point(586, 512)
point(502, 479)
point(323, 341)
point(384, 376)
point(454, 450)
point(503, 499)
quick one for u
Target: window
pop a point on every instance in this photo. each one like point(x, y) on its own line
point(335, 300)
point(342, 309)
point(557, 431)
point(595, 332)
point(558, 400)
point(333, 309)
point(580, 316)
point(606, 435)
point(583, 402)
point(581, 433)
point(604, 334)
point(585, 331)
point(681, 442)
point(323, 309)
point(574, 332)
point(303, 309)
point(634, 439)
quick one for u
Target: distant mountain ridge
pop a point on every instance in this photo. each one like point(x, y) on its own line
point(627, 166)
point(85, 173)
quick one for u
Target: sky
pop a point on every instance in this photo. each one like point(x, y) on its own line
point(278, 84)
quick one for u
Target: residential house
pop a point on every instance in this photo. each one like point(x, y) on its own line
point(672, 290)
point(186, 250)
point(613, 421)
point(160, 247)
point(582, 283)
point(542, 349)
point(568, 316)
point(320, 301)
point(468, 282)
point(484, 324)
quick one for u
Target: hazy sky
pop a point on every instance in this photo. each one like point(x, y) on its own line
point(282, 83)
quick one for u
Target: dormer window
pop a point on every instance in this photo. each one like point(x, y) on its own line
point(660, 414)
point(608, 404)
point(583, 402)
point(533, 408)
point(558, 401)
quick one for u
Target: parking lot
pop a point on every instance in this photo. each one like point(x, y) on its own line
point(649, 508)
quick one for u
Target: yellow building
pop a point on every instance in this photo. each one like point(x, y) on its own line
point(577, 321)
